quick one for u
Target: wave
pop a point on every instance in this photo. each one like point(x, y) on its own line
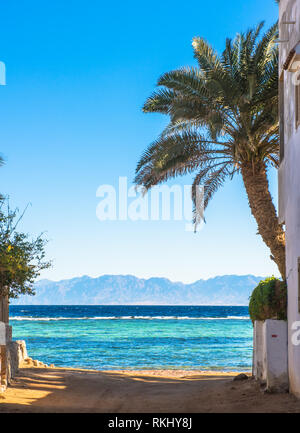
point(48, 319)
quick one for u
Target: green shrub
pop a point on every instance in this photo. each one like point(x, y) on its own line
point(269, 300)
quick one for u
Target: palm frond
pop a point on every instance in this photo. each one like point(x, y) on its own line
point(222, 114)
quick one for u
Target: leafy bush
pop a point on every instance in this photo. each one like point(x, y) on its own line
point(269, 300)
point(21, 258)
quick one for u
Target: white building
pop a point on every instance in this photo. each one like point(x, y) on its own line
point(289, 171)
point(4, 327)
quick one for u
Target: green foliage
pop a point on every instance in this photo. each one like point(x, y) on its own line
point(269, 300)
point(21, 258)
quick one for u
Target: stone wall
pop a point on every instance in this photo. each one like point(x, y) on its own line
point(12, 355)
point(16, 355)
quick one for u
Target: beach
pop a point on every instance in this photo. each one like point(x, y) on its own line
point(147, 391)
point(151, 360)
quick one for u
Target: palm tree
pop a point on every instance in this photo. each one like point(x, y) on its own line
point(223, 121)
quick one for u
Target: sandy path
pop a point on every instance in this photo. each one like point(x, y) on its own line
point(71, 390)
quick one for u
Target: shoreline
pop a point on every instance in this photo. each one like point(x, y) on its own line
point(160, 371)
point(28, 362)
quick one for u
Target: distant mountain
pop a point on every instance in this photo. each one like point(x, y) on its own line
point(130, 290)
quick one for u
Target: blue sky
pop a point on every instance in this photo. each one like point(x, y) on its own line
point(77, 76)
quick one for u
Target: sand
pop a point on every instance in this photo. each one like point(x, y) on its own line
point(75, 390)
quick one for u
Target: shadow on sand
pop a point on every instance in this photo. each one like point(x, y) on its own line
point(68, 390)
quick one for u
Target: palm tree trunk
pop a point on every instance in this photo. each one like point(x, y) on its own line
point(264, 212)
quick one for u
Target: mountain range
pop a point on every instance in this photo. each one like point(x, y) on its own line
point(130, 290)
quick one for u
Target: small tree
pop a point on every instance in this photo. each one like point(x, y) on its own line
point(21, 258)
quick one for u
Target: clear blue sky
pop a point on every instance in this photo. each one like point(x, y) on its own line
point(77, 75)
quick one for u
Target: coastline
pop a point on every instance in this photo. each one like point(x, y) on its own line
point(28, 362)
point(162, 372)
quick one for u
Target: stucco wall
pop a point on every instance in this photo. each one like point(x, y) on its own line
point(289, 183)
point(270, 360)
point(288, 11)
point(276, 360)
point(2, 334)
point(259, 352)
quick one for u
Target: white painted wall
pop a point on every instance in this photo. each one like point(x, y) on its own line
point(2, 334)
point(270, 354)
point(276, 358)
point(289, 184)
point(259, 359)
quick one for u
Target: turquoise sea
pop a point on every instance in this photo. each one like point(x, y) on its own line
point(136, 337)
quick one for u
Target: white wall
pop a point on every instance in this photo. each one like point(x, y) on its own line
point(259, 358)
point(270, 354)
point(289, 185)
point(276, 358)
point(2, 334)
point(292, 221)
